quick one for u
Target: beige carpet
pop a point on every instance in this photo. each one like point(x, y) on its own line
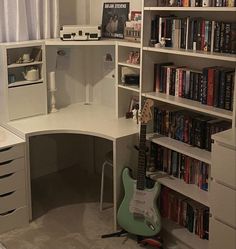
point(66, 215)
point(76, 226)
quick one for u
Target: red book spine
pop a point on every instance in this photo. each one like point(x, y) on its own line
point(210, 87)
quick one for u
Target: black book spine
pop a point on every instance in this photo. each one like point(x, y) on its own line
point(233, 39)
point(191, 87)
point(228, 89)
point(190, 34)
point(222, 89)
point(204, 86)
point(217, 31)
point(199, 34)
point(222, 37)
point(196, 85)
point(227, 45)
point(169, 22)
point(216, 88)
point(183, 33)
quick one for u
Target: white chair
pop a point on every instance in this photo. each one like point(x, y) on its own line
point(108, 162)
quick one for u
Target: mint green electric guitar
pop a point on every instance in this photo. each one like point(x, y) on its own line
point(138, 213)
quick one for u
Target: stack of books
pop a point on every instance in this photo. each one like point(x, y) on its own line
point(196, 3)
point(213, 86)
point(192, 171)
point(186, 126)
point(186, 212)
point(194, 33)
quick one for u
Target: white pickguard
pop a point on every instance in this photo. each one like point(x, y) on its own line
point(142, 204)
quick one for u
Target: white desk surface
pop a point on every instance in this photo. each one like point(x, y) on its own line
point(78, 118)
point(8, 139)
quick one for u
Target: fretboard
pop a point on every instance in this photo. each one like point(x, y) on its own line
point(141, 159)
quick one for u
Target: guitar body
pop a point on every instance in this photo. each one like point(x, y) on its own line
point(137, 213)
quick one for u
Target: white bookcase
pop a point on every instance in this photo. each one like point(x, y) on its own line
point(196, 60)
point(20, 97)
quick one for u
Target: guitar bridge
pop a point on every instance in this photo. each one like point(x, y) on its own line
point(138, 216)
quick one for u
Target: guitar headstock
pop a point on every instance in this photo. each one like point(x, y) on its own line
point(146, 114)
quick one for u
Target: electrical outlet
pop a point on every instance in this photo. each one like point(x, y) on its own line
point(63, 52)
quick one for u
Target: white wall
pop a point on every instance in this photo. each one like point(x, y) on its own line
point(96, 7)
point(87, 11)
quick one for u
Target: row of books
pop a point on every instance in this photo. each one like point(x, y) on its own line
point(187, 127)
point(185, 211)
point(192, 171)
point(196, 3)
point(194, 33)
point(213, 86)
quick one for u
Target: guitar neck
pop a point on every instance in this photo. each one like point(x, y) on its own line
point(142, 158)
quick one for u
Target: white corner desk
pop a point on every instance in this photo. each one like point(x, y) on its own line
point(92, 119)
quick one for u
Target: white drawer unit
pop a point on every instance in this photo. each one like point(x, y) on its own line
point(13, 219)
point(13, 204)
point(224, 159)
point(223, 192)
point(223, 201)
point(221, 235)
point(11, 152)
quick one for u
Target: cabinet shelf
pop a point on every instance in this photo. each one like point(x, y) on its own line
point(129, 65)
point(193, 53)
point(130, 87)
point(196, 9)
point(16, 65)
point(190, 104)
point(183, 235)
point(24, 82)
point(178, 146)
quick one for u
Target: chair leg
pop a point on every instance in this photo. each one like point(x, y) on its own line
point(102, 187)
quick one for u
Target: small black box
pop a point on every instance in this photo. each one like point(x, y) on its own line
point(131, 79)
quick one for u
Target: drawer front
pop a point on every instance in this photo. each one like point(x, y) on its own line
point(30, 100)
point(13, 152)
point(12, 182)
point(223, 203)
point(11, 166)
point(224, 168)
point(12, 200)
point(15, 218)
point(221, 236)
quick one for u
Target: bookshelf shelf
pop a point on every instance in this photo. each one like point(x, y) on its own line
point(130, 88)
point(24, 82)
point(15, 65)
point(192, 53)
point(190, 104)
point(129, 44)
point(190, 190)
point(196, 9)
point(124, 64)
point(183, 235)
point(194, 152)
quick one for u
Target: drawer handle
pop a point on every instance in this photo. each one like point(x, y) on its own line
point(8, 212)
point(7, 194)
point(5, 149)
point(5, 176)
point(7, 162)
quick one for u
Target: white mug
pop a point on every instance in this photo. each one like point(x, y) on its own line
point(26, 57)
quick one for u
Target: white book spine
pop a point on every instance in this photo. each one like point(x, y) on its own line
point(177, 82)
point(206, 3)
point(160, 24)
point(187, 32)
point(192, 3)
point(168, 80)
point(212, 35)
